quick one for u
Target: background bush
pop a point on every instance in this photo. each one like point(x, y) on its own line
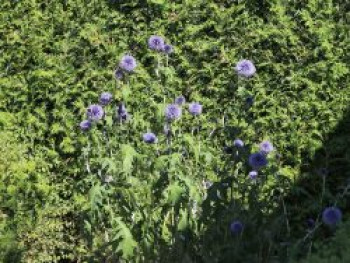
point(58, 56)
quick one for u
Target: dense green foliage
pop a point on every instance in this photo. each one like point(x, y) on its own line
point(334, 250)
point(58, 56)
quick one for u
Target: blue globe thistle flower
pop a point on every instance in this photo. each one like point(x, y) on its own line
point(245, 68)
point(150, 138)
point(105, 98)
point(331, 216)
point(172, 112)
point(236, 227)
point(168, 49)
point(180, 100)
point(253, 175)
point(122, 112)
point(95, 112)
point(257, 160)
point(85, 125)
point(238, 143)
point(156, 43)
point(195, 108)
point(118, 74)
point(249, 100)
point(128, 63)
point(310, 223)
point(266, 147)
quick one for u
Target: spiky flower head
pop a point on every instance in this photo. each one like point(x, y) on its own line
point(180, 100)
point(118, 74)
point(128, 63)
point(310, 223)
point(257, 160)
point(95, 112)
point(266, 147)
point(122, 113)
point(156, 43)
point(105, 98)
point(253, 175)
point(195, 108)
point(245, 68)
point(236, 227)
point(172, 112)
point(168, 49)
point(85, 125)
point(150, 138)
point(249, 100)
point(331, 216)
point(238, 143)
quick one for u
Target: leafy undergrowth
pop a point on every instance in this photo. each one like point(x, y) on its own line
point(106, 195)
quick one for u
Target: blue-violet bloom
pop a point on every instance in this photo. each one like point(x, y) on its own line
point(95, 112)
point(85, 125)
point(122, 112)
point(253, 175)
point(331, 216)
point(180, 100)
point(310, 223)
point(156, 43)
point(150, 137)
point(128, 63)
point(168, 49)
point(236, 227)
point(118, 74)
point(172, 112)
point(245, 68)
point(105, 98)
point(195, 108)
point(257, 160)
point(266, 147)
point(249, 100)
point(238, 143)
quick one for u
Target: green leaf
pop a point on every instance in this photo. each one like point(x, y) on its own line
point(174, 193)
point(128, 155)
point(123, 239)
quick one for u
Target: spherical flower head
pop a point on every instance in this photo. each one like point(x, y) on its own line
point(128, 63)
point(310, 223)
point(238, 143)
point(105, 98)
point(245, 68)
point(122, 112)
point(257, 160)
point(85, 125)
point(156, 43)
point(253, 175)
point(236, 227)
point(331, 216)
point(195, 108)
point(249, 100)
point(150, 138)
point(168, 49)
point(172, 112)
point(180, 100)
point(95, 112)
point(118, 74)
point(266, 147)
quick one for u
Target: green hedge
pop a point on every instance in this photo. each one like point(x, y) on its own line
point(58, 56)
